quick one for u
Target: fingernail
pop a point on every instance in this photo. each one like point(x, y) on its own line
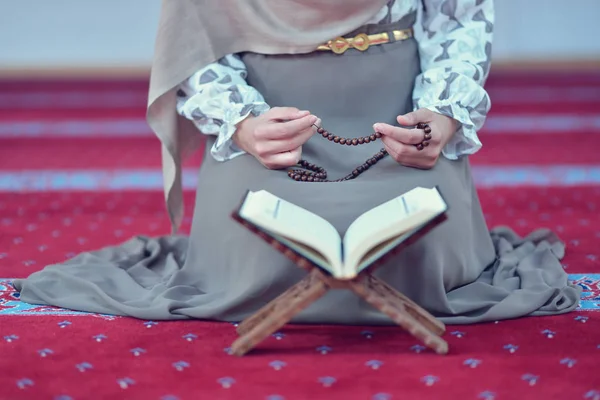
point(313, 119)
point(303, 112)
point(377, 127)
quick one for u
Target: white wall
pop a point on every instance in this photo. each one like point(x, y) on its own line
point(120, 33)
point(547, 29)
point(77, 33)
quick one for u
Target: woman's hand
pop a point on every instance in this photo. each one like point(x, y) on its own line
point(275, 138)
point(401, 143)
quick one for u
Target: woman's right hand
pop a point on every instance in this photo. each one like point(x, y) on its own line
point(275, 138)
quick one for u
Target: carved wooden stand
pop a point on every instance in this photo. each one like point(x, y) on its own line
point(395, 305)
point(374, 291)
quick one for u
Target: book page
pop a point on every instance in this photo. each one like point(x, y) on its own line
point(308, 252)
point(295, 223)
point(390, 219)
point(382, 248)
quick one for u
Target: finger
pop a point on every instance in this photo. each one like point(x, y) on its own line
point(284, 130)
point(393, 147)
point(409, 155)
point(413, 118)
point(266, 146)
point(297, 125)
point(403, 135)
point(286, 113)
point(282, 160)
point(296, 154)
point(288, 143)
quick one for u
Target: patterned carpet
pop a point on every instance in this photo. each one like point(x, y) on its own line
point(79, 169)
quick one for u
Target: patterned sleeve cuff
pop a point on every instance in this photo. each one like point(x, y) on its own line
point(224, 147)
point(216, 99)
point(458, 97)
point(465, 140)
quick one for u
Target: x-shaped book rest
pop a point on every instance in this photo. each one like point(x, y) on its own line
point(374, 291)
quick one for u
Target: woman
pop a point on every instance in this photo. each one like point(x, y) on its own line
point(257, 78)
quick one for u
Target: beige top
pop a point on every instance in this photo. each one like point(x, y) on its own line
point(194, 33)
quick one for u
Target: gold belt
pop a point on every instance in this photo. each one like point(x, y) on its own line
point(362, 41)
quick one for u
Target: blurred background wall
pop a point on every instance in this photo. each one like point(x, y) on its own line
point(56, 34)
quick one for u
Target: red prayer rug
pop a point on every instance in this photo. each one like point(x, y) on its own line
point(79, 169)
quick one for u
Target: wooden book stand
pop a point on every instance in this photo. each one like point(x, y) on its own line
point(374, 291)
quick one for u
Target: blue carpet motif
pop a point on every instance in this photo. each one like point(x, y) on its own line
point(11, 305)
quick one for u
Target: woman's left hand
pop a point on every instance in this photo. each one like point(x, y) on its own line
point(401, 143)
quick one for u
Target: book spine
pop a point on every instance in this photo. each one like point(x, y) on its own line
point(420, 233)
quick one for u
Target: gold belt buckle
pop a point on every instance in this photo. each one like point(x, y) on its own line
point(360, 42)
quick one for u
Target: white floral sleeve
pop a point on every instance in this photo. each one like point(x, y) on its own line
point(455, 44)
point(216, 98)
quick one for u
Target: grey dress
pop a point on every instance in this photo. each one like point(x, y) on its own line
point(460, 271)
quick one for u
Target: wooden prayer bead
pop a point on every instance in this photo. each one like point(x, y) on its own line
point(314, 173)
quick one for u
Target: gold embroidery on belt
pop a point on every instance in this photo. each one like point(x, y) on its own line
point(363, 41)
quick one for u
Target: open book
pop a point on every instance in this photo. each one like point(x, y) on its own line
point(371, 236)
